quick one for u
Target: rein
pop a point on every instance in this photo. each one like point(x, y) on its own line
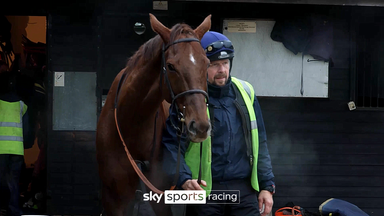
point(180, 129)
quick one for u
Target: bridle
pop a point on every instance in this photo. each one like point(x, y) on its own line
point(179, 127)
point(173, 97)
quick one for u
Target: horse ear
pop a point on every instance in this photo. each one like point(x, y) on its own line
point(203, 27)
point(159, 28)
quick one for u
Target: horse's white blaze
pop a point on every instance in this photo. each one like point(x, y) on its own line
point(192, 58)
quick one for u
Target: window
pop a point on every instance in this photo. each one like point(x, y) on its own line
point(272, 69)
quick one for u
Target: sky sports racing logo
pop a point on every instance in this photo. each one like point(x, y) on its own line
point(177, 197)
point(194, 197)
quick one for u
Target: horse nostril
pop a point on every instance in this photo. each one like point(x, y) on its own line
point(208, 127)
point(192, 127)
point(196, 128)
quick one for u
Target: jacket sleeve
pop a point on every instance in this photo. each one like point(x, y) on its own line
point(171, 145)
point(264, 166)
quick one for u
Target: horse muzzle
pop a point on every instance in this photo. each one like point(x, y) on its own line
point(199, 131)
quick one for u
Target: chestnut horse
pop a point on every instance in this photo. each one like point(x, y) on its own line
point(172, 66)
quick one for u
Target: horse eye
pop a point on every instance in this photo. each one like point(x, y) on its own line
point(171, 67)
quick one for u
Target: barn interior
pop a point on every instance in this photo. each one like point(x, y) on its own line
point(23, 49)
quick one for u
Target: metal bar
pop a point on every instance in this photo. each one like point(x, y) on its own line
point(99, 88)
point(371, 71)
point(378, 72)
point(364, 68)
point(353, 56)
point(356, 76)
point(378, 87)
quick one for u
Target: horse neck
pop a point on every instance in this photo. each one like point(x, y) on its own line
point(141, 92)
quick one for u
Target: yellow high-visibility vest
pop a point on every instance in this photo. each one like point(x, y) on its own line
point(192, 155)
point(11, 127)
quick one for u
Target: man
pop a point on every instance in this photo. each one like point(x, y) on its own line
point(12, 122)
point(240, 157)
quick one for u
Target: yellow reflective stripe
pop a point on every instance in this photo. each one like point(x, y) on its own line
point(253, 124)
point(11, 124)
point(39, 86)
point(40, 91)
point(242, 86)
point(23, 109)
point(210, 150)
point(246, 87)
point(11, 138)
point(252, 95)
point(247, 100)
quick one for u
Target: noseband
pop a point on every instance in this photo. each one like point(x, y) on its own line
point(178, 127)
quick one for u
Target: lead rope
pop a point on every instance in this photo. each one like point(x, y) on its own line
point(201, 153)
point(133, 163)
point(179, 134)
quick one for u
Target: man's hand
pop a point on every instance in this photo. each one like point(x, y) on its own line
point(193, 185)
point(265, 197)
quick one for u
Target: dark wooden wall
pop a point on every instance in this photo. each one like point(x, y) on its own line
point(322, 150)
point(319, 148)
point(73, 186)
point(99, 40)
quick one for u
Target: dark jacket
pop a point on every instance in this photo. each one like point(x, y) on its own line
point(229, 155)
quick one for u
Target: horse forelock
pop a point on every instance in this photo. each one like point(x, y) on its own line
point(181, 30)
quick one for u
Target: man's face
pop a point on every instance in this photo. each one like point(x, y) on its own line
point(218, 72)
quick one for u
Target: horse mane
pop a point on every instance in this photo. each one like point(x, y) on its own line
point(152, 47)
point(146, 52)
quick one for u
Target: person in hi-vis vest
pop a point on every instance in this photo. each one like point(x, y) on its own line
point(235, 156)
point(12, 130)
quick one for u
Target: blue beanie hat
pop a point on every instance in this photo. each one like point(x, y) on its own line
point(217, 46)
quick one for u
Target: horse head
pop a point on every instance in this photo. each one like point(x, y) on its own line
point(185, 74)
